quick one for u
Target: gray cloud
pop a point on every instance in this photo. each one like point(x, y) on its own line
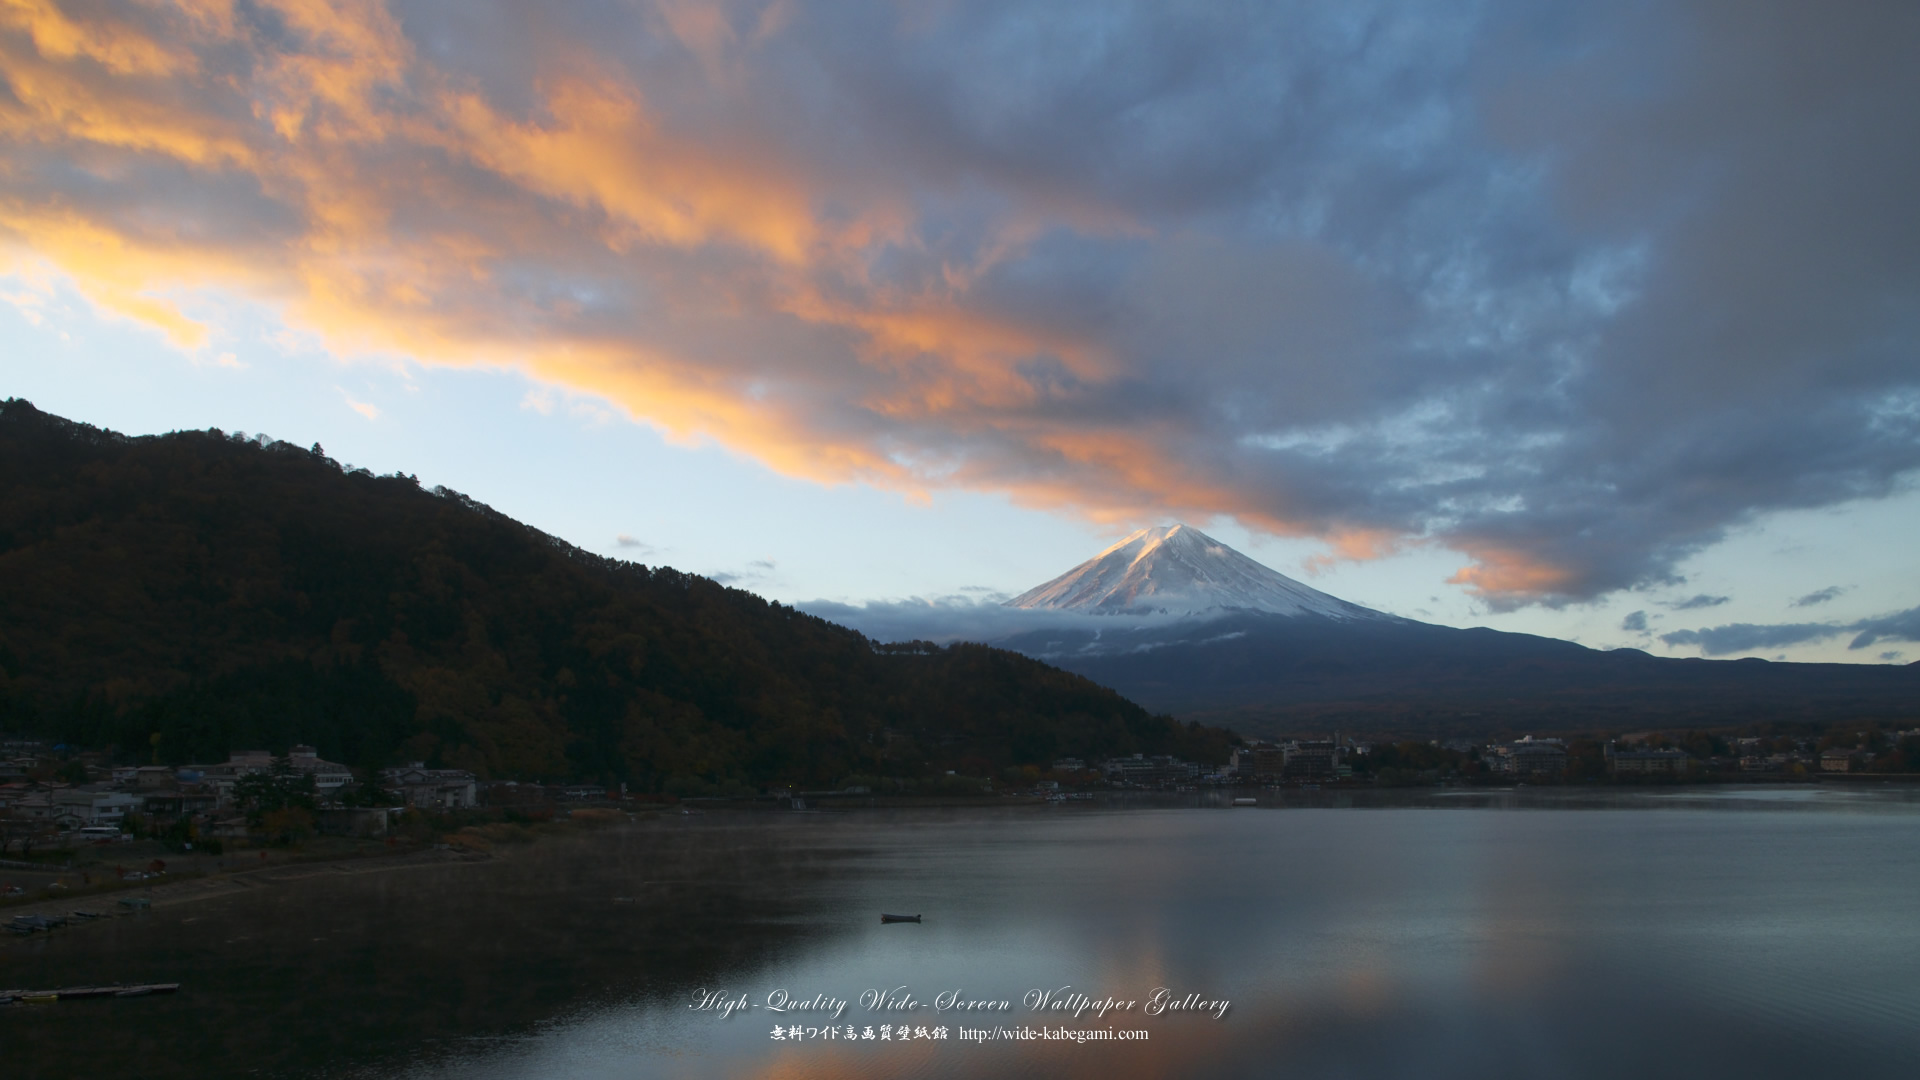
point(1636, 622)
point(1749, 637)
point(1890, 657)
point(1819, 596)
point(1573, 288)
point(1900, 626)
point(635, 545)
point(1700, 601)
point(757, 572)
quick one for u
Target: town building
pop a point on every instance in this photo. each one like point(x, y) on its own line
point(1530, 759)
point(1257, 761)
point(328, 776)
point(1840, 760)
point(1144, 771)
point(1647, 762)
point(1310, 761)
point(79, 807)
point(148, 777)
point(432, 789)
point(33, 804)
point(179, 803)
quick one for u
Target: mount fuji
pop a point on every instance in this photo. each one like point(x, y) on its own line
point(1179, 570)
point(1182, 623)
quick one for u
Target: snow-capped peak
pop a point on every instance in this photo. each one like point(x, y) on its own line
point(1177, 569)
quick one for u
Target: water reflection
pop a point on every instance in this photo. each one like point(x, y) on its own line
point(1406, 935)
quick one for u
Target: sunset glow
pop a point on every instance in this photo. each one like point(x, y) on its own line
point(1361, 287)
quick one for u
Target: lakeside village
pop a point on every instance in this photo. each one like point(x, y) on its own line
point(72, 823)
point(52, 797)
point(1651, 757)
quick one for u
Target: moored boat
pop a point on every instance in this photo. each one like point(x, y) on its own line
point(885, 918)
point(32, 923)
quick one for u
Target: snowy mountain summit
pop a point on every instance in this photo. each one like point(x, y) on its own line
point(1179, 570)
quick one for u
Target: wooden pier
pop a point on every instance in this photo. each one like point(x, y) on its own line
point(75, 993)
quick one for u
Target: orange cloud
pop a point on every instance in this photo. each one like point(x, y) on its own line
point(603, 150)
point(698, 277)
point(116, 45)
point(1503, 575)
point(117, 274)
point(1358, 545)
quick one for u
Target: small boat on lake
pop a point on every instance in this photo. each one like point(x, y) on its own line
point(885, 918)
point(30, 924)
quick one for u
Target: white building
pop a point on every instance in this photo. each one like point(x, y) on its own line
point(78, 807)
point(328, 776)
point(432, 789)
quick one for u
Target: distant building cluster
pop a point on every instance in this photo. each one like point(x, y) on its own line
point(55, 792)
point(437, 789)
point(1295, 761)
point(48, 794)
point(54, 795)
point(1531, 759)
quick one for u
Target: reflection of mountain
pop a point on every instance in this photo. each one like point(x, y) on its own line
point(1262, 653)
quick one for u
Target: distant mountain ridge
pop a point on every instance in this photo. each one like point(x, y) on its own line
point(1179, 570)
point(1251, 649)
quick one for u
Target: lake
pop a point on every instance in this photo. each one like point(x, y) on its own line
point(1578, 933)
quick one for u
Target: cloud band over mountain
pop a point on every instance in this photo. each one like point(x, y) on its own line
point(1750, 637)
point(1573, 289)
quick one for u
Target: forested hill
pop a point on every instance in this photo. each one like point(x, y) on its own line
point(178, 596)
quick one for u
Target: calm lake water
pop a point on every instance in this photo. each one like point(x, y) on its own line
point(1750, 933)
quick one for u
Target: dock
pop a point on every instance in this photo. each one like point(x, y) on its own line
point(76, 993)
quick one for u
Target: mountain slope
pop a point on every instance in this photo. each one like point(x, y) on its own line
point(1177, 569)
point(1277, 662)
point(1265, 675)
point(187, 594)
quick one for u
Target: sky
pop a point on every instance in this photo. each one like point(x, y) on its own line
point(1596, 321)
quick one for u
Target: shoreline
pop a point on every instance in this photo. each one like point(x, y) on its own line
point(209, 886)
point(471, 845)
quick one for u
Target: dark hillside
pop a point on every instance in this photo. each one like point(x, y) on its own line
point(181, 595)
point(1267, 675)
